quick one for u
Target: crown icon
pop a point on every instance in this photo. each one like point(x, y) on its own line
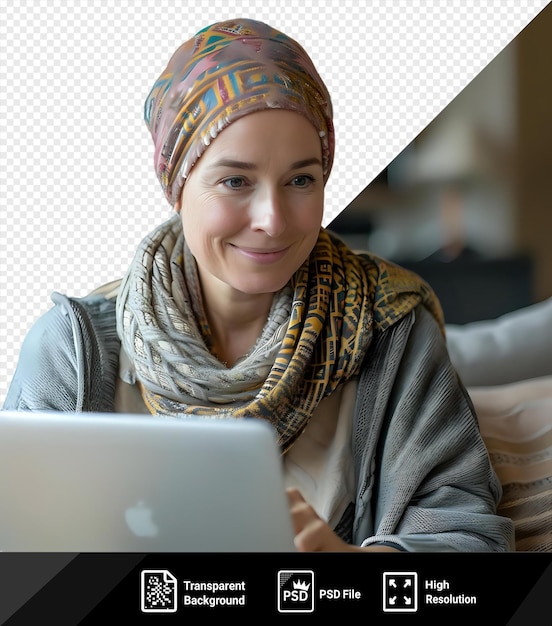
point(299, 584)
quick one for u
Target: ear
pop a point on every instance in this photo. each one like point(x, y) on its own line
point(178, 204)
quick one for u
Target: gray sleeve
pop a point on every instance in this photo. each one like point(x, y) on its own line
point(428, 485)
point(47, 375)
point(68, 359)
point(514, 347)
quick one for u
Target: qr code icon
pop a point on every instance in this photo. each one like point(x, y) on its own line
point(158, 591)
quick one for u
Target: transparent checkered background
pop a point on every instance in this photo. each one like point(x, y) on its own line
point(77, 185)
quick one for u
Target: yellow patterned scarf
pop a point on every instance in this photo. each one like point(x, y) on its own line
point(316, 337)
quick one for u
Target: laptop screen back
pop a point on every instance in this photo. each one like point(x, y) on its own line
point(118, 483)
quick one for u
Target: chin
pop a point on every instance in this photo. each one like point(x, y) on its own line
point(259, 286)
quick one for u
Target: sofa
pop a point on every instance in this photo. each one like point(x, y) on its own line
point(506, 366)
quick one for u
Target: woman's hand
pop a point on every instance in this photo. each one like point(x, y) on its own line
point(312, 534)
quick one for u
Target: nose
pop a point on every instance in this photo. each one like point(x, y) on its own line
point(268, 212)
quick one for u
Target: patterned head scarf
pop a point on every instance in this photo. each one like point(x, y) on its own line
point(228, 70)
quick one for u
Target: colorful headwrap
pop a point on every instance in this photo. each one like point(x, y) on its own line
point(228, 70)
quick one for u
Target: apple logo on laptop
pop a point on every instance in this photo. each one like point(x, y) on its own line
point(139, 519)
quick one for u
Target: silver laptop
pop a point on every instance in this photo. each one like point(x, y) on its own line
point(133, 483)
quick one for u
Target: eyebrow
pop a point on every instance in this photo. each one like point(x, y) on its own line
point(244, 165)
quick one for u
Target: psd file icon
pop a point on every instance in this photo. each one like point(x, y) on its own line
point(295, 591)
point(158, 591)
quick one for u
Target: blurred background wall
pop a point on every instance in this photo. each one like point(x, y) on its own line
point(468, 203)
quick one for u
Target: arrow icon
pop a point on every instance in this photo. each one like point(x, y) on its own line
point(400, 592)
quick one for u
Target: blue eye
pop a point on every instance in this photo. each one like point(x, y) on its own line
point(233, 183)
point(302, 181)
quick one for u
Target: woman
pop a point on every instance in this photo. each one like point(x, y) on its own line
point(242, 305)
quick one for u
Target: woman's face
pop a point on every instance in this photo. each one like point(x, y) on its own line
point(253, 203)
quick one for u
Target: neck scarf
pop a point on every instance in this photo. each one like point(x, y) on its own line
point(317, 334)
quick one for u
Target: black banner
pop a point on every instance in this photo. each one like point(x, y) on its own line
point(70, 589)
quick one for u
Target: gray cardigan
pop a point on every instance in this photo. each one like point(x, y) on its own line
point(423, 475)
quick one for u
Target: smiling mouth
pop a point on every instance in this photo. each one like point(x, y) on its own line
point(262, 256)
